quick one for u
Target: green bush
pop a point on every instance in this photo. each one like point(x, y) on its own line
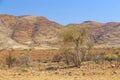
point(111, 57)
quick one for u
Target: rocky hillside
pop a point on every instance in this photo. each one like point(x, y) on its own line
point(38, 32)
point(27, 31)
point(105, 35)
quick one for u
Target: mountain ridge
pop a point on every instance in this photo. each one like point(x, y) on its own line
point(37, 31)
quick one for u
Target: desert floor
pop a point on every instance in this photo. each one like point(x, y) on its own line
point(42, 69)
point(55, 71)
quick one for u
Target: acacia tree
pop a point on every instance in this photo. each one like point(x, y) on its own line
point(77, 43)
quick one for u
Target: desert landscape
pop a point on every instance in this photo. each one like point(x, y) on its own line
point(31, 49)
point(59, 40)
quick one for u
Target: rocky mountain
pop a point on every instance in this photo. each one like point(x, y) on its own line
point(105, 35)
point(27, 31)
point(36, 31)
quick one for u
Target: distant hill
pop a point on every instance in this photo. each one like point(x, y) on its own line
point(36, 31)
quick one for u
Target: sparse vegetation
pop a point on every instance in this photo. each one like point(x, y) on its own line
point(25, 60)
point(111, 57)
point(10, 60)
point(77, 44)
point(41, 70)
point(56, 58)
point(98, 58)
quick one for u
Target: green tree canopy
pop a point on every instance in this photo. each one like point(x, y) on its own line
point(80, 40)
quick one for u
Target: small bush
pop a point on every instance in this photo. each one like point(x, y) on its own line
point(56, 58)
point(70, 58)
point(98, 58)
point(10, 60)
point(89, 57)
point(25, 60)
point(111, 57)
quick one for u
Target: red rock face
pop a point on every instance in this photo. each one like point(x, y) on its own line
point(23, 32)
point(45, 31)
point(39, 31)
point(8, 21)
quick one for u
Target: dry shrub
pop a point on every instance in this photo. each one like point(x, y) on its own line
point(70, 58)
point(65, 56)
point(89, 57)
point(98, 58)
point(111, 57)
point(10, 60)
point(56, 58)
point(25, 60)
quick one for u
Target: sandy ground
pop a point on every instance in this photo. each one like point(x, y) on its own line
point(85, 72)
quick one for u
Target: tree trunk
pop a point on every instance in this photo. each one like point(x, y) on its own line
point(77, 55)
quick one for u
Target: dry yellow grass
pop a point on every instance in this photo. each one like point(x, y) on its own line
point(87, 71)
